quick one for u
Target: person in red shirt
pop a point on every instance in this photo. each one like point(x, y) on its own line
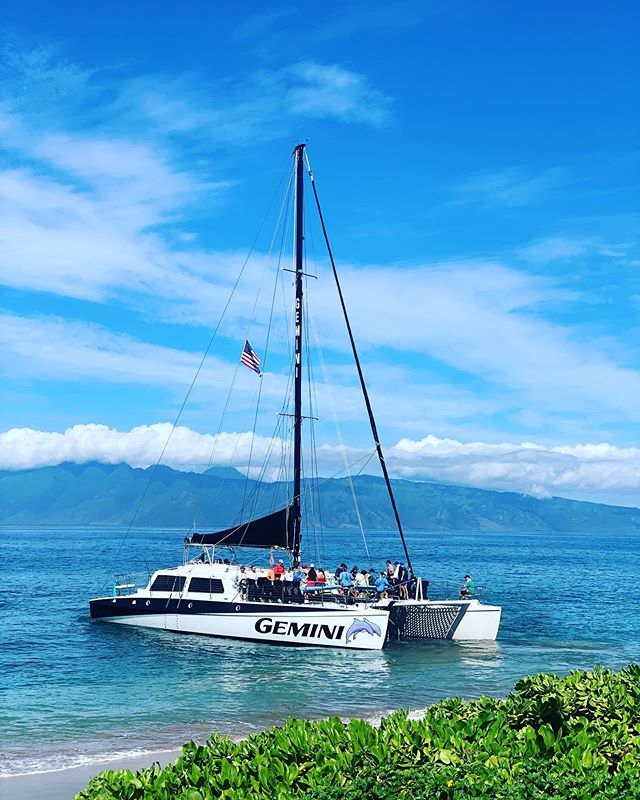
point(278, 570)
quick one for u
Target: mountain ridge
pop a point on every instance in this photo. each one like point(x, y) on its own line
point(94, 493)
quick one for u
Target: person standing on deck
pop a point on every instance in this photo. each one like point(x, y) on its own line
point(381, 585)
point(279, 570)
point(402, 576)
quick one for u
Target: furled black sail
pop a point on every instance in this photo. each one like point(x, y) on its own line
point(269, 531)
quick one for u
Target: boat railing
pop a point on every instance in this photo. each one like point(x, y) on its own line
point(123, 585)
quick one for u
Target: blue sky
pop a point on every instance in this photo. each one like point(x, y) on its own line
point(478, 165)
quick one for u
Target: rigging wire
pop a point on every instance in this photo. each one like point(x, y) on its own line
point(343, 450)
point(372, 422)
point(268, 338)
point(283, 207)
point(193, 383)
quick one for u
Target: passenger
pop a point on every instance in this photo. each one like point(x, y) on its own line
point(241, 582)
point(279, 570)
point(312, 576)
point(339, 571)
point(271, 576)
point(373, 576)
point(381, 585)
point(321, 578)
point(402, 576)
point(468, 588)
point(346, 581)
point(298, 575)
point(360, 581)
point(391, 574)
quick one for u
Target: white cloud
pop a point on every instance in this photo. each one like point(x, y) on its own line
point(581, 470)
point(57, 349)
point(556, 248)
point(23, 448)
point(512, 187)
point(568, 470)
point(485, 320)
point(333, 91)
point(98, 173)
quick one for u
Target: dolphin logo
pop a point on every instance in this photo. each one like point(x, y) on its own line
point(359, 625)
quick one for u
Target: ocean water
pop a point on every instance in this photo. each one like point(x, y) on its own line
point(72, 692)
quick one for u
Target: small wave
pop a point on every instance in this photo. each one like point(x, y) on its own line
point(63, 761)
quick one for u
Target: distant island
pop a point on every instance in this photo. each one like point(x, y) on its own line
point(104, 494)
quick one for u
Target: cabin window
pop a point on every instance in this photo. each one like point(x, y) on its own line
point(168, 583)
point(206, 585)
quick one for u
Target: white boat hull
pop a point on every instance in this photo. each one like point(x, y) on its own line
point(357, 627)
point(361, 629)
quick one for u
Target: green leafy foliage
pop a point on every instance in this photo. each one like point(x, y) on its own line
point(555, 738)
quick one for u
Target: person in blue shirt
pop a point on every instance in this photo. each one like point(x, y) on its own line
point(346, 581)
point(381, 585)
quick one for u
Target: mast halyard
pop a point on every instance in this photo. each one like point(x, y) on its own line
point(295, 514)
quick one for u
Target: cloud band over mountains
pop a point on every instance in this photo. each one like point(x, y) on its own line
point(582, 471)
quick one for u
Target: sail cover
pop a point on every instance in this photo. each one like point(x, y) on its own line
point(269, 531)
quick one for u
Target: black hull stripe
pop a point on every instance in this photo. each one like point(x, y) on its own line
point(124, 606)
point(457, 621)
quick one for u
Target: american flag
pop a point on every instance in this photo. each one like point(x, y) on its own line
point(250, 358)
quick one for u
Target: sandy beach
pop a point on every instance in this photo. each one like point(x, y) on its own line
point(65, 783)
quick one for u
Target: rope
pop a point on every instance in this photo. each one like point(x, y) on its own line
point(363, 386)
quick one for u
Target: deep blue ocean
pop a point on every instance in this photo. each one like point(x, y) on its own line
point(72, 692)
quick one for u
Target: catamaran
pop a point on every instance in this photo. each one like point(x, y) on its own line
point(213, 593)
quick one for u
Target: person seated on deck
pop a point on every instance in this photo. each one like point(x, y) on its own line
point(381, 585)
point(361, 579)
point(339, 571)
point(312, 576)
point(468, 588)
point(321, 577)
point(278, 570)
point(346, 581)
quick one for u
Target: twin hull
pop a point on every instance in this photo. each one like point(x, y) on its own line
point(356, 627)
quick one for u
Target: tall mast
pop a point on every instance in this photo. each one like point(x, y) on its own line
point(295, 517)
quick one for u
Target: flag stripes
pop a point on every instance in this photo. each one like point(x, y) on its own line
point(250, 358)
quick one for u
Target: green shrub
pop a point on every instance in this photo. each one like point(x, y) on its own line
point(552, 738)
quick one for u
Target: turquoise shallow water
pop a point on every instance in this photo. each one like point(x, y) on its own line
point(72, 692)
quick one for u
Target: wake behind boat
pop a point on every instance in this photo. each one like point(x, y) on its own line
point(212, 593)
